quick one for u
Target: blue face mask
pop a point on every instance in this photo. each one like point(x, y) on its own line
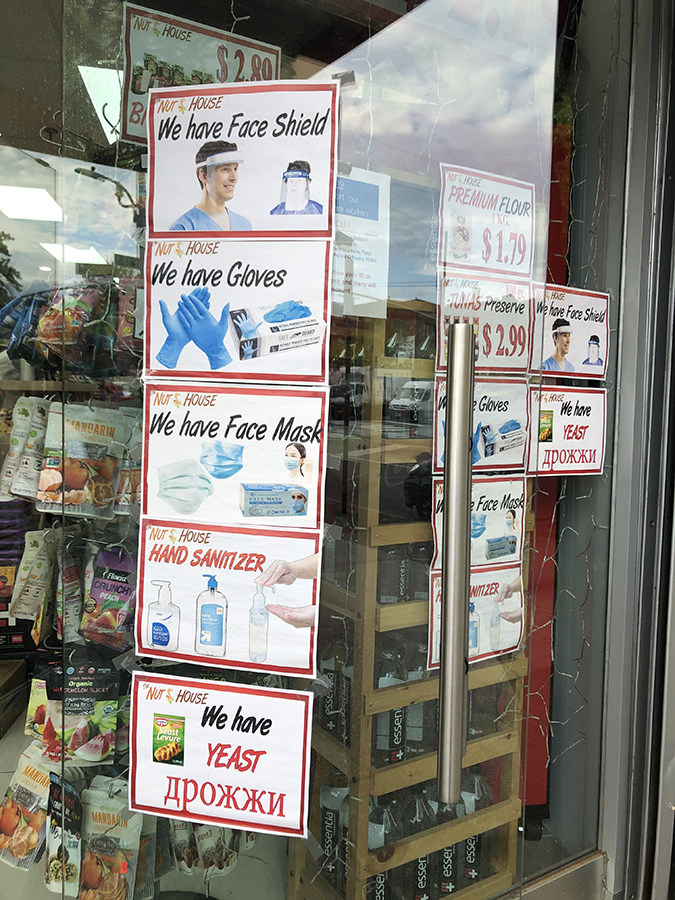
point(297, 505)
point(184, 485)
point(285, 312)
point(291, 462)
point(222, 460)
point(477, 524)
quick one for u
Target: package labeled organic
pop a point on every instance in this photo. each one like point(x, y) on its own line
point(21, 416)
point(23, 813)
point(215, 855)
point(111, 838)
point(184, 845)
point(34, 576)
point(144, 888)
point(110, 599)
point(82, 461)
point(26, 479)
point(81, 713)
point(64, 838)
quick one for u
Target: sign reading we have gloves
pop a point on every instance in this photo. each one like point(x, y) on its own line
point(220, 753)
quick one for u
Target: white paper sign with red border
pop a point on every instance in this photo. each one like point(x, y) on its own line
point(161, 51)
point(499, 310)
point(244, 625)
point(500, 425)
point(496, 619)
point(234, 454)
point(285, 139)
point(242, 756)
point(568, 428)
point(486, 223)
point(249, 310)
point(497, 520)
point(571, 333)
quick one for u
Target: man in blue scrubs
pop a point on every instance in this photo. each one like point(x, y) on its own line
point(217, 165)
point(560, 332)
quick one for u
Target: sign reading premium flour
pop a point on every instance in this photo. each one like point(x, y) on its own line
point(249, 160)
point(220, 753)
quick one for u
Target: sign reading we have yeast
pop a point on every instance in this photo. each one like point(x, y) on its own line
point(267, 312)
point(496, 620)
point(282, 136)
point(161, 50)
point(486, 223)
point(500, 420)
point(497, 520)
point(221, 753)
point(574, 328)
point(501, 313)
point(234, 455)
point(246, 626)
point(567, 431)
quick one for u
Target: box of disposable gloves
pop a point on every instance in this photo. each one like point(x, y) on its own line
point(288, 326)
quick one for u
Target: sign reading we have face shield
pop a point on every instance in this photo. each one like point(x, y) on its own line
point(234, 455)
point(251, 160)
point(226, 754)
point(237, 310)
point(198, 599)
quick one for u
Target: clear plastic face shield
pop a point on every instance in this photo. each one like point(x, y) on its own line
point(593, 351)
point(295, 190)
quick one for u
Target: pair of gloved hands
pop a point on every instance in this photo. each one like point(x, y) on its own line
point(192, 321)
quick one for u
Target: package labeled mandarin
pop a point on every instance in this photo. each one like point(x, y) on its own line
point(23, 813)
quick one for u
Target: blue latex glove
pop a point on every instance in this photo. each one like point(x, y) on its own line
point(176, 334)
point(511, 425)
point(247, 347)
point(247, 327)
point(475, 453)
point(207, 332)
point(285, 312)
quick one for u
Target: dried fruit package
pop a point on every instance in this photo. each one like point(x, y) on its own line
point(68, 593)
point(34, 577)
point(110, 602)
point(62, 871)
point(82, 479)
point(184, 846)
point(81, 714)
point(23, 813)
point(144, 888)
point(61, 323)
point(26, 479)
point(163, 856)
point(215, 855)
point(37, 708)
point(111, 837)
point(129, 489)
point(21, 416)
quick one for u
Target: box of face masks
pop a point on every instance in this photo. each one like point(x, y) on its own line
point(273, 500)
point(273, 337)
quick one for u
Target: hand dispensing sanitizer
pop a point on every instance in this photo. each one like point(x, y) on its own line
point(258, 627)
point(163, 619)
point(211, 636)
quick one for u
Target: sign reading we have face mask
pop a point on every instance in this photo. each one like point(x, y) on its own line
point(198, 599)
point(269, 151)
point(250, 310)
point(234, 455)
point(219, 753)
point(497, 520)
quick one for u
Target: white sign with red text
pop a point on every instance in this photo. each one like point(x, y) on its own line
point(567, 431)
point(198, 600)
point(495, 613)
point(165, 51)
point(219, 753)
point(486, 223)
point(499, 310)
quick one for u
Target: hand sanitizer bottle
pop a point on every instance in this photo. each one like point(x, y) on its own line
point(211, 635)
point(258, 626)
point(474, 631)
point(495, 622)
point(163, 619)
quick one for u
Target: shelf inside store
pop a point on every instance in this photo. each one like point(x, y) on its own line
point(405, 533)
point(331, 749)
point(404, 367)
point(403, 450)
point(51, 387)
point(338, 599)
point(402, 615)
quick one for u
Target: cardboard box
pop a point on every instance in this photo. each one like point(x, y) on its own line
point(13, 692)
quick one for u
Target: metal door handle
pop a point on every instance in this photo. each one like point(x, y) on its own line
point(455, 560)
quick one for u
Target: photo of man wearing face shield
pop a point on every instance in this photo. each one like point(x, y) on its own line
point(557, 362)
point(295, 199)
point(593, 358)
point(217, 164)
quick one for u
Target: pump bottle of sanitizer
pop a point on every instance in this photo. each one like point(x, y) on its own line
point(163, 619)
point(211, 636)
point(258, 627)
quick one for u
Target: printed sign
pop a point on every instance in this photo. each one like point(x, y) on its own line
point(567, 431)
point(501, 313)
point(237, 310)
point(487, 223)
point(500, 424)
point(495, 613)
point(234, 455)
point(244, 160)
point(571, 333)
point(361, 249)
point(166, 51)
point(243, 753)
point(199, 600)
point(497, 520)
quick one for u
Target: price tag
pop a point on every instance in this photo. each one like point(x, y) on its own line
point(499, 310)
point(486, 223)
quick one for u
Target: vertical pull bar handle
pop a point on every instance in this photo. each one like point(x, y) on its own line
point(455, 560)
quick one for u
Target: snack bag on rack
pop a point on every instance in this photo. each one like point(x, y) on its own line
point(23, 812)
point(215, 855)
point(184, 846)
point(21, 416)
point(164, 862)
point(61, 325)
point(34, 576)
point(62, 871)
point(110, 602)
point(27, 476)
